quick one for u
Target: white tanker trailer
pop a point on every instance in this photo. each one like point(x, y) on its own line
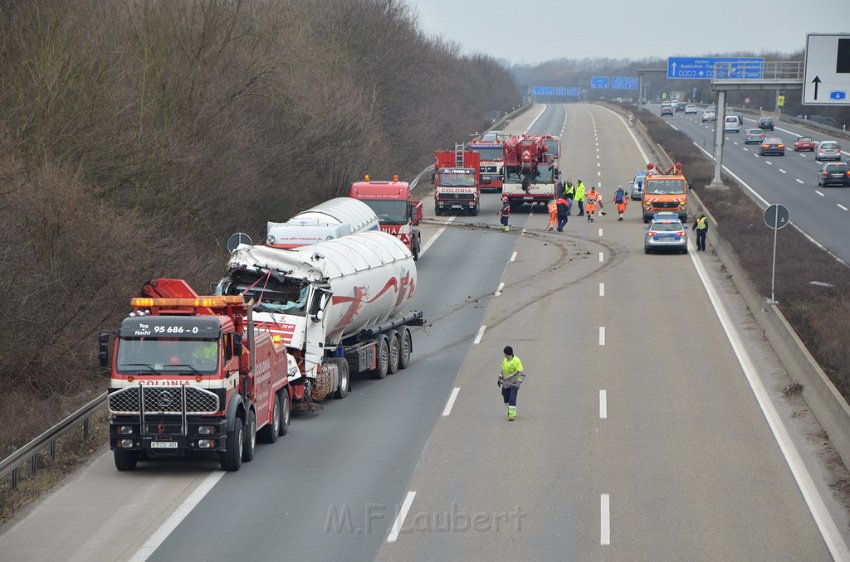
point(328, 220)
point(337, 306)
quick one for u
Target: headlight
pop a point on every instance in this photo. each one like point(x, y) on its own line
point(206, 430)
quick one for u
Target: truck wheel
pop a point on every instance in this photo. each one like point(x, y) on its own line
point(231, 457)
point(285, 412)
point(344, 380)
point(269, 433)
point(250, 437)
point(405, 348)
point(125, 460)
point(415, 248)
point(383, 359)
point(395, 351)
point(438, 211)
point(475, 212)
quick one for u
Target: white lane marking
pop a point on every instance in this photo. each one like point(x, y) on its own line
point(499, 290)
point(599, 174)
point(177, 517)
point(605, 520)
point(632, 133)
point(831, 536)
point(783, 171)
point(602, 289)
point(451, 402)
point(735, 143)
point(601, 257)
point(513, 256)
point(673, 126)
point(819, 193)
point(842, 207)
point(480, 335)
point(603, 404)
point(539, 115)
point(597, 155)
point(433, 239)
point(768, 162)
point(598, 164)
point(746, 149)
point(402, 515)
point(803, 155)
point(601, 335)
point(799, 180)
point(600, 232)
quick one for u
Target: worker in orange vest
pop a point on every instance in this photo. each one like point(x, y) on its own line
point(553, 214)
point(591, 201)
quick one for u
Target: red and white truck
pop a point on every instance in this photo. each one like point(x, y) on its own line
point(398, 213)
point(189, 374)
point(337, 217)
point(530, 171)
point(457, 181)
point(337, 306)
point(492, 161)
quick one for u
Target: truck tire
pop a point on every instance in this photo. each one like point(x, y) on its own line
point(395, 351)
point(415, 248)
point(344, 380)
point(125, 460)
point(231, 457)
point(269, 433)
point(383, 357)
point(476, 211)
point(285, 411)
point(250, 437)
point(405, 347)
point(438, 211)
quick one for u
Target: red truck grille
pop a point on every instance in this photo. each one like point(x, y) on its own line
point(166, 400)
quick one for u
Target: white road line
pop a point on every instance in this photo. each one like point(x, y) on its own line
point(601, 335)
point(480, 335)
point(602, 289)
point(597, 155)
point(513, 257)
point(819, 193)
point(746, 149)
point(499, 290)
point(673, 126)
point(603, 404)
point(768, 162)
point(598, 164)
point(448, 409)
point(599, 174)
point(600, 229)
point(601, 257)
point(402, 515)
point(433, 239)
point(177, 517)
point(632, 133)
point(803, 155)
point(735, 143)
point(830, 533)
point(783, 171)
point(800, 181)
point(604, 520)
point(842, 207)
point(542, 111)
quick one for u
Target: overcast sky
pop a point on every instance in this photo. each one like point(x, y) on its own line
point(534, 31)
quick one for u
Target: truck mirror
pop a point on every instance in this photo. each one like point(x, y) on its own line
point(317, 306)
point(416, 212)
point(103, 350)
point(237, 345)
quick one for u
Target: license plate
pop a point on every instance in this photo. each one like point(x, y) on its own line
point(163, 444)
point(457, 206)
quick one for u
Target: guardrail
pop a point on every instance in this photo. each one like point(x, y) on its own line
point(34, 448)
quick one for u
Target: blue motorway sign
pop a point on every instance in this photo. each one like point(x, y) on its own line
point(542, 91)
point(573, 92)
point(560, 91)
point(696, 68)
point(625, 83)
point(599, 81)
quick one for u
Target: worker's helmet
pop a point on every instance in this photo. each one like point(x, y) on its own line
point(504, 199)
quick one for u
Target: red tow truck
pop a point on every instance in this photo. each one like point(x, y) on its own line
point(492, 156)
point(190, 375)
point(530, 171)
point(457, 181)
point(398, 214)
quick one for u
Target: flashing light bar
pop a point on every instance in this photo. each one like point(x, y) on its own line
point(209, 302)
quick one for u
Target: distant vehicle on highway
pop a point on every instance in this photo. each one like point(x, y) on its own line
point(804, 144)
point(709, 115)
point(828, 150)
point(731, 124)
point(766, 123)
point(679, 106)
point(834, 173)
point(773, 145)
point(665, 232)
point(690, 109)
point(637, 185)
point(666, 109)
point(753, 136)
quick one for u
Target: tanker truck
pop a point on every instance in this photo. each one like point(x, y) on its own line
point(336, 306)
point(328, 220)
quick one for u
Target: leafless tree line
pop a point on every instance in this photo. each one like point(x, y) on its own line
point(135, 136)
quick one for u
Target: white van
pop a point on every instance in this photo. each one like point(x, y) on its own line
point(731, 124)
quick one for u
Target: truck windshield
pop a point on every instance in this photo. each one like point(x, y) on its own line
point(449, 179)
point(495, 154)
point(543, 174)
point(389, 211)
point(552, 148)
point(160, 356)
point(664, 187)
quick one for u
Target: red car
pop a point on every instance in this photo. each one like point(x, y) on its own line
point(804, 144)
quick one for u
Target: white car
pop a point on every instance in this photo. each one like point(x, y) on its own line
point(690, 108)
point(708, 115)
point(731, 124)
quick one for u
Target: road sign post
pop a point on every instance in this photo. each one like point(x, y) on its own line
point(775, 216)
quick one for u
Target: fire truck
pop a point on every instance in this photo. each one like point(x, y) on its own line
point(457, 180)
point(190, 375)
point(398, 214)
point(665, 190)
point(530, 171)
point(492, 155)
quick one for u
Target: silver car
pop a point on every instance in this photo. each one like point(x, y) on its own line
point(709, 115)
point(828, 150)
point(665, 234)
point(637, 186)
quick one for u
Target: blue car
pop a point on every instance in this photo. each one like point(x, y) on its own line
point(637, 185)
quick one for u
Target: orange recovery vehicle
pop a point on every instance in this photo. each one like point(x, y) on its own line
point(665, 190)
